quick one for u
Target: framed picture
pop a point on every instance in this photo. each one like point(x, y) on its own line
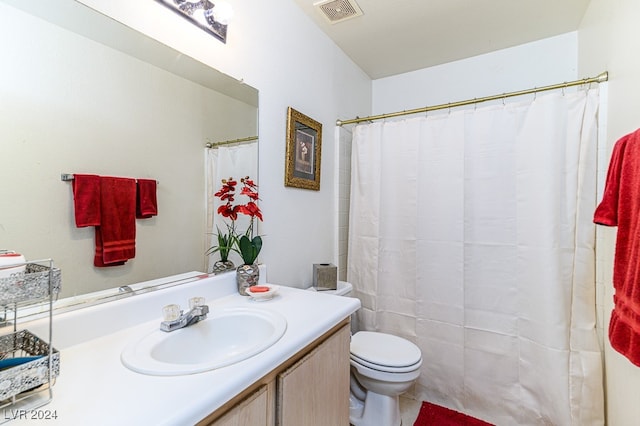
point(304, 142)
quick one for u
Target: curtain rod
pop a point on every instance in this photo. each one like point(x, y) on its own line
point(601, 78)
point(216, 144)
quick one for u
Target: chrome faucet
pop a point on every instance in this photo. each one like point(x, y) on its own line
point(197, 313)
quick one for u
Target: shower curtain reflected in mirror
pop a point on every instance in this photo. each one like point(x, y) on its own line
point(471, 235)
point(223, 162)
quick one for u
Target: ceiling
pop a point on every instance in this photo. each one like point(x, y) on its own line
point(397, 36)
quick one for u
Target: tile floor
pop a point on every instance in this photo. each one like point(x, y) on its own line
point(409, 409)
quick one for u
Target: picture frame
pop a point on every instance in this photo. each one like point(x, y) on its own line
point(304, 149)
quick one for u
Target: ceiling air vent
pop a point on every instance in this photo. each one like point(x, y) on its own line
point(338, 10)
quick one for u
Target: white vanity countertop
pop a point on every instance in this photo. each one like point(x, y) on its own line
point(94, 387)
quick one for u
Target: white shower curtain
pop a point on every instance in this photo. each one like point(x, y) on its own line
point(471, 235)
point(223, 162)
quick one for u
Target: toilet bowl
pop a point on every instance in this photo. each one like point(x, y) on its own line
point(383, 367)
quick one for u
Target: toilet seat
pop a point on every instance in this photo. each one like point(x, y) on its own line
point(384, 376)
point(385, 352)
point(386, 368)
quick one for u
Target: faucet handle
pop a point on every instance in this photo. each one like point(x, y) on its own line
point(171, 312)
point(195, 302)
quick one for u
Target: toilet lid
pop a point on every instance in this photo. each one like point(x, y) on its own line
point(384, 349)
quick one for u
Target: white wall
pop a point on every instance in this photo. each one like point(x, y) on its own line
point(609, 39)
point(541, 63)
point(274, 47)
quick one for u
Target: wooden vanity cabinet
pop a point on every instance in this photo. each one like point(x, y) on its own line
point(315, 390)
point(254, 410)
point(311, 388)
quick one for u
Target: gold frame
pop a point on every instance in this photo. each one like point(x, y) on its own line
point(304, 149)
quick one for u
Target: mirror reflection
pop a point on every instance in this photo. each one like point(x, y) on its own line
point(103, 99)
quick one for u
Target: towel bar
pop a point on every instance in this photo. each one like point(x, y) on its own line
point(66, 177)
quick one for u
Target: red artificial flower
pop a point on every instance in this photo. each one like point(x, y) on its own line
point(249, 193)
point(227, 210)
point(251, 209)
point(248, 182)
point(225, 196)
point(230, 183)
point(227, 186)
point(227, 193)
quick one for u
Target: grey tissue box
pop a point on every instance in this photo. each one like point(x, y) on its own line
point(325, 276)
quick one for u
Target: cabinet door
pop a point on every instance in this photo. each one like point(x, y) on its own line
point(252, 411)
point(315, 390)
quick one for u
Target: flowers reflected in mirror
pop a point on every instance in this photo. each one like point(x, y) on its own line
point(244, 242)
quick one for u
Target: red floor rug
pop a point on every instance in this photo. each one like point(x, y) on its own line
point(435, 415)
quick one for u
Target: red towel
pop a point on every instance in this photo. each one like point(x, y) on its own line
point(620, 206)
point(98, 259)
point(86, 200)
point(116, 235)
point(147, 203)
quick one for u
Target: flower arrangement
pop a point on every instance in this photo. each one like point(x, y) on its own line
point(245, 243)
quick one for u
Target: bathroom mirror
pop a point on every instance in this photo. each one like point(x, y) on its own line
point(82, 93)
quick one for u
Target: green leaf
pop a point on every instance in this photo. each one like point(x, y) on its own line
point(257, 243)
point(226, 244)
point(249, 249)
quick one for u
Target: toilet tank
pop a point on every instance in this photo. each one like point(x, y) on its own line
point(343, 288)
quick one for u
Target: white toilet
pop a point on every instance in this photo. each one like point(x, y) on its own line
point(383, 367)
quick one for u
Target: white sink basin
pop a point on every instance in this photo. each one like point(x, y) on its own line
point(227, 336)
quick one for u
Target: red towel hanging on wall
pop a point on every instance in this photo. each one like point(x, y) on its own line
point(147, 203)
point(620, 206)
point(116, 235)
point(86, 200)
point(109, 204)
